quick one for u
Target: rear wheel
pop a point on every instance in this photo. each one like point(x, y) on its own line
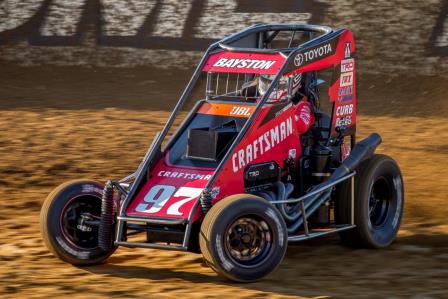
point(69, 222)
point(379, 199)
point(243, 238)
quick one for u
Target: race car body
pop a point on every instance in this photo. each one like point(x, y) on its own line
point(252, 163)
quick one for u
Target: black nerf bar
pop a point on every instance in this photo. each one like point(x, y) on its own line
point(362, 151)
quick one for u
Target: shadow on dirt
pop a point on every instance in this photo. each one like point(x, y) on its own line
point(316, 267)
point(159, 89)
point(140, 272)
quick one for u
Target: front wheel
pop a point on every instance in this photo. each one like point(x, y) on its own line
point(243, 238)
point(379, 199)
point(69, 222)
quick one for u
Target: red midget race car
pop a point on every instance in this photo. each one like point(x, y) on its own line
point(255, 164)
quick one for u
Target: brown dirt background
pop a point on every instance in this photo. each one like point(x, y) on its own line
point(61, 123)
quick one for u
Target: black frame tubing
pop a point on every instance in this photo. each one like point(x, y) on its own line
point(326, 34)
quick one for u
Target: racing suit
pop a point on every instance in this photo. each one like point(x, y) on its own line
point(304, 117)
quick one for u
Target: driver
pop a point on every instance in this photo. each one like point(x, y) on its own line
point(256, 88)
point(280, 92)
point(304, 116)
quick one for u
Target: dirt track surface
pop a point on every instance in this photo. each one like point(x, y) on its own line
point(61, 123)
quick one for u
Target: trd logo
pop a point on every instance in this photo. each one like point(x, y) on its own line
point(157, 24)
point(347, 65)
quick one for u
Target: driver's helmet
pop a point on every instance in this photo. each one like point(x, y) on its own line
point(280, 92)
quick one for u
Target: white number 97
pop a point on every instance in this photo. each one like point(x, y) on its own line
point(158, 196)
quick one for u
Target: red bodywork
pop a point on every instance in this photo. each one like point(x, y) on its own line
point(273, 137)
point(239, 62)
point(173, 190)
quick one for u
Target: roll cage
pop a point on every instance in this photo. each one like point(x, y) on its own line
point(255, 39)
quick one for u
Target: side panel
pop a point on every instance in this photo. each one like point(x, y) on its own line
point(273, 137)
point(171, 192)
point(336, 53)
point(173, 189)
point(239, 62)
point(233, 110)
point(343, 90)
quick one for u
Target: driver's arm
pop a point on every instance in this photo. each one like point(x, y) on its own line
point(304, 116)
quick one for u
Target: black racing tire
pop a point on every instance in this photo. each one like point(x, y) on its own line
point(59, 221)
point(379, 200)
point(243, 238)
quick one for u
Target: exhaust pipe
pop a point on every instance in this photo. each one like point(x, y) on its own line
point(362, 151)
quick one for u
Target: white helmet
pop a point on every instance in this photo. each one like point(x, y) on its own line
point(280, 92)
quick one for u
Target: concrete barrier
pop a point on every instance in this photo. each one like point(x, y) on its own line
point(393, 36)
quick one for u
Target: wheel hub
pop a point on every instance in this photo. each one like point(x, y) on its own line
point(248, 240)
point(76, 222)
point(380, 197)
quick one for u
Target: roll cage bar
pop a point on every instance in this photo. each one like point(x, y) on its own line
point(229, 43)
point(261, 28)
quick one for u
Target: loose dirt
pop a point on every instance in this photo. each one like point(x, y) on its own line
point(62, 123)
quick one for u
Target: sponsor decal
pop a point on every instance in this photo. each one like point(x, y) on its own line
point(305, 115)
point(262, 144)
point(398, 187)
point(313, 54)
point(345, 93)
point(84, 228)
point(77, 253)
point(346, 79)
point(240, 111)
point(344, 110)
point(344, 121)
point(344, 115)
point(274, 216)
point(296, 79)
point(298, 60)
point(158, 196)
point(91, 189)
point(183, 175)
point(347, 65)
point(215, 192)
point(219, 248)
point(347, 50)
point(226, 110)
point(292, 153)
point(245, 63)
point(346, 98)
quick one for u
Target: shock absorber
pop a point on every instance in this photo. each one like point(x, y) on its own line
point(106, 229)
point(206, 201)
